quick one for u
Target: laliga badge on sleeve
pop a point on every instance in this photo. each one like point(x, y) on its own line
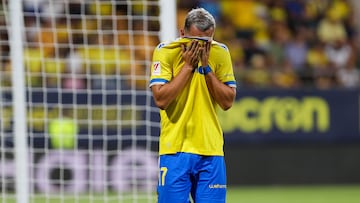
point(156, 68)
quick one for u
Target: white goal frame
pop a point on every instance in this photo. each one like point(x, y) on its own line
point(16, 28)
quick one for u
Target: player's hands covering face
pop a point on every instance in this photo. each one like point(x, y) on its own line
point(191, 53)
point(205, 53)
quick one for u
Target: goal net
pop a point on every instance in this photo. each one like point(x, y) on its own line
point(91, 126)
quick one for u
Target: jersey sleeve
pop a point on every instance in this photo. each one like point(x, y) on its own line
point(161, 71)
point(224, 70)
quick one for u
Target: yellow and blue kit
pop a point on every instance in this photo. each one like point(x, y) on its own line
point(190, 123)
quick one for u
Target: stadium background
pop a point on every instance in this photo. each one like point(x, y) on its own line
point(296, 116)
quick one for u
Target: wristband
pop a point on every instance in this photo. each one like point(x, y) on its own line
point(205, 70)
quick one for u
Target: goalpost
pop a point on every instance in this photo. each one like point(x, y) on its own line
point(78, 123)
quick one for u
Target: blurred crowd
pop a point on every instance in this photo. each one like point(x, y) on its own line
point(97, 45)
point(287, 43)
point(273, 43)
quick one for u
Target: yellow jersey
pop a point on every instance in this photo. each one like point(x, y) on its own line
point(190, 122)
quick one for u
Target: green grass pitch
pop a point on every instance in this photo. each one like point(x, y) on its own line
point(295, 194)
point(255, 194)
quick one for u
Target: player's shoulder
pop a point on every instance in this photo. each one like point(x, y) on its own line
point(169, 44)
point(162, 45)
point(219, 46)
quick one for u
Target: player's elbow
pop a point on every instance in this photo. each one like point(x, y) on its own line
point(161, 104)
point(227, 101)
point(160, 99)
point(226, 106)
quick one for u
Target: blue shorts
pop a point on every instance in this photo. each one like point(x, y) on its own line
point(182, 174)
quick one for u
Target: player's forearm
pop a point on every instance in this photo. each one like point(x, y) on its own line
point(165, 94)
point(223, 94)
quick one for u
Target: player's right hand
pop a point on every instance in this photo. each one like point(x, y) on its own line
point(205, 53)
point(191, 53)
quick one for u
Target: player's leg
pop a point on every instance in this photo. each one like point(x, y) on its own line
point(174, 178)
point(209, 180)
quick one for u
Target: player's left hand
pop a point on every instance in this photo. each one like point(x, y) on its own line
point(205, 53)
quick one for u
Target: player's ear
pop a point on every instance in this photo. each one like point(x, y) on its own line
point(182, 32)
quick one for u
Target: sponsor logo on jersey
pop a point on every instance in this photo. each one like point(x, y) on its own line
point(217, 186)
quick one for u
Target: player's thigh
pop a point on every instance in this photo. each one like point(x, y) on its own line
point(174, 179)
point(211, 181)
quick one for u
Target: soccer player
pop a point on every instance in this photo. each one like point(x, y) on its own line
point(190, 78)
